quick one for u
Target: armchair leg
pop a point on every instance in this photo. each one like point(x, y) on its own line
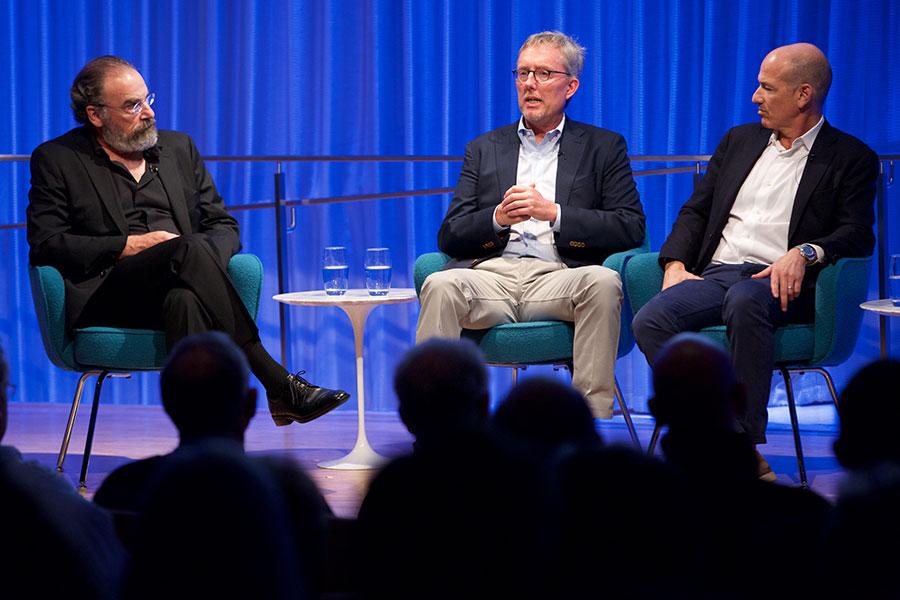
point(795, 426)
point(623, 408)
point(90, 434)
point(828, 380)
point(653, 440)
point(67, 436)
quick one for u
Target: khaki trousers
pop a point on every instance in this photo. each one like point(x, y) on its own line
point(513, 290)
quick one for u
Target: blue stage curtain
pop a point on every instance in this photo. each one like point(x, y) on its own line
point(404, 77)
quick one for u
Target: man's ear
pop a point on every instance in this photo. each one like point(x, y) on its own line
point(93, 115)
point(572, 88)
point(804, 96)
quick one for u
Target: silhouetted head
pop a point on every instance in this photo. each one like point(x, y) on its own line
point(547, 415)
point(205, 388)
point(215, 525)
point(442, 389)
point(869, 411)
point(4, 386)
point(694, 385)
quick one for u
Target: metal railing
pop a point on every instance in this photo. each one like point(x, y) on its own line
point(885, 179)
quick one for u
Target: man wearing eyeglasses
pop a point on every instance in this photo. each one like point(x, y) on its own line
point(538, 207)
point(131, 218)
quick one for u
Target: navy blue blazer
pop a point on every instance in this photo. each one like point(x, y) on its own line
point(601, 209)
point(833, 208)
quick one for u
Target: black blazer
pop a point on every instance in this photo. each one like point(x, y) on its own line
point(601, 209)
point(76, 223)
point(833, 208)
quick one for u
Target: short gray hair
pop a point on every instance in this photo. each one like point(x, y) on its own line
point(816, 72)
point(87, 89)
point(572, 51)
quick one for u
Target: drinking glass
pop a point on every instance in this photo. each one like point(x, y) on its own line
point(378, 271)
point(335, 270)
point(894, 279)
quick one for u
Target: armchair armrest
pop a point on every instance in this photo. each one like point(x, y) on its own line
point(840, 289)
point(427, 264)
point(643, 279)
point(48, 292)
point(246, 272)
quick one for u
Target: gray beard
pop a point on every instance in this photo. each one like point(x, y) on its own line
point(128, 143)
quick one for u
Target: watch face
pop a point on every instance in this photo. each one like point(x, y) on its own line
point(808, 252)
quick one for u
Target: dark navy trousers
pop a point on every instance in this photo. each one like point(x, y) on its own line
point(727, 296)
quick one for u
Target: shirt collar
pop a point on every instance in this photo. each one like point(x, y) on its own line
point(807, 139)
point(552, 135)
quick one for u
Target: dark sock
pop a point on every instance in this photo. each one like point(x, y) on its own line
point(267, 370)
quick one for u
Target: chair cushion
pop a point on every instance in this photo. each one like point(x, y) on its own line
point(122, 350)
point(793, 343)
point(525, 343)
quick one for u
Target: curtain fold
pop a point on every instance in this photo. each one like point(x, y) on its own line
point(404, 77)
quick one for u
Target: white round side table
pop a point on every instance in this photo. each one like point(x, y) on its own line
point(883, 308)
point(357, 303)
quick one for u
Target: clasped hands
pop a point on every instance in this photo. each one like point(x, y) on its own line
point(785, 276)
point(522, 202)
point(135, 244)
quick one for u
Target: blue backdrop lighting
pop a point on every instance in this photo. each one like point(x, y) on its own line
point(404, 77)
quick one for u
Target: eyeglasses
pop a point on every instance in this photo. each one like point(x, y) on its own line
point(540, 75)
point(136, 108)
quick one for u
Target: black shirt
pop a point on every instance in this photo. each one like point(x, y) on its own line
point(145, 203)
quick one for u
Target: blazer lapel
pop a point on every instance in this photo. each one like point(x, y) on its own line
point(571, 147)
point(506, 151)
point(101, 178)
point(817, 162)
point(168, 176)
point(737, 171)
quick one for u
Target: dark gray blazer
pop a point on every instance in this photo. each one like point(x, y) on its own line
point(601, 209)
point(833, 208)
point(76, 223)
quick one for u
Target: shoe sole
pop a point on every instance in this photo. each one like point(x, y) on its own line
point(339, 399)
point(768, 476)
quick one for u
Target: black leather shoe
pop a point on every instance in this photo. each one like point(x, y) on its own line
point(300, 401)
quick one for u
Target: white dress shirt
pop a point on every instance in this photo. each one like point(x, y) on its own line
point(537, 165)
point(757, 227)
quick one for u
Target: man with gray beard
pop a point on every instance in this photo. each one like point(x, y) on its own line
point(131, 218)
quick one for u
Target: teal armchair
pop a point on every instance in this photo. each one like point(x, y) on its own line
point(111, 351)
point(809, 347)
point(518, 345)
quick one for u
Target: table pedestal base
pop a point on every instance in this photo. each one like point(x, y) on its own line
point(362, 456)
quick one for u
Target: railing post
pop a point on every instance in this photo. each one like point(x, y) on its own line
point(698, 174)
point(279, 254)
point(884, 327)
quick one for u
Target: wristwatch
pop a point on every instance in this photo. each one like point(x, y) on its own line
point(809, 253)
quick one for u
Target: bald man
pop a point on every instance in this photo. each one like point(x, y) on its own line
point(779, 201)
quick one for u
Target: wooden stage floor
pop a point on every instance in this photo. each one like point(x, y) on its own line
point(128, 432)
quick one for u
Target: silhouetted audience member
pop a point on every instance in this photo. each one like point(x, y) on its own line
point(215, 526)
point(860, 559)
point(54, 543)
point(744, 520)
point(461, 516)
point(546, 417)
point(442, 391)
point(206, 393)
point(869, 413)
point(628, 528)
